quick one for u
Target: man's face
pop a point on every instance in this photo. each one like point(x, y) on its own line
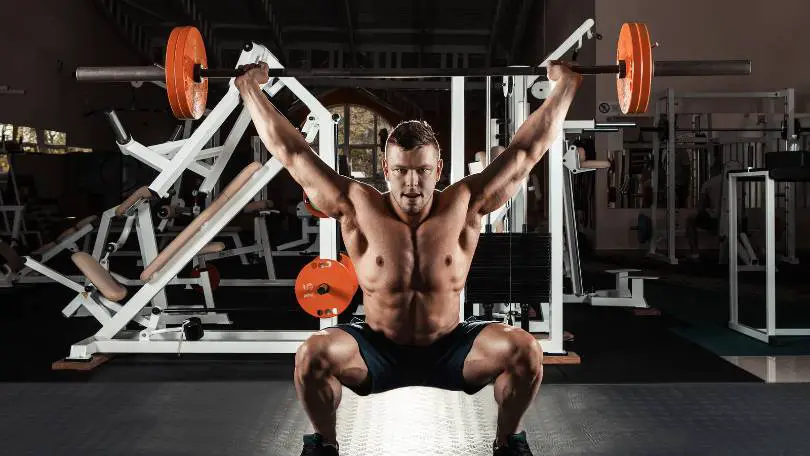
point(412, 175)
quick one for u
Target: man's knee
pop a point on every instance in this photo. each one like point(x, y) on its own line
point(312, 356)
point(528, 354)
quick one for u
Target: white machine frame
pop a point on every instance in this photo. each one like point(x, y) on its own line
point(113, 337)
point(770, 330)
point(514, 212)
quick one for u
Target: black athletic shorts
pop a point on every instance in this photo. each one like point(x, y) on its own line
point(439, 365)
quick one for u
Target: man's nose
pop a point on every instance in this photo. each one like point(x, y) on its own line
point(412, 178)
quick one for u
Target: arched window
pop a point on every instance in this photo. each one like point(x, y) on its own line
point(361, 126)
point(30, 139)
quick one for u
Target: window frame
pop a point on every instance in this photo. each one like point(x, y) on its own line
point(347, 147)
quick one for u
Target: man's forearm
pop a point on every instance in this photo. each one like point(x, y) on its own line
point(545, 123)
point(280, 137)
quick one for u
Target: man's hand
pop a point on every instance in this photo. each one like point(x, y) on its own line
point(256, 74)
point(559, 70)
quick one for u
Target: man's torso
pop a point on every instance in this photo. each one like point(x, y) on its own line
point(411, 277)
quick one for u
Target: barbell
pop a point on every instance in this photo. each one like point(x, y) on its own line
point(186, 74)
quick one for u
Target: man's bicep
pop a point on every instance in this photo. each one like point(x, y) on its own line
point(498, 182)
point(325, 188)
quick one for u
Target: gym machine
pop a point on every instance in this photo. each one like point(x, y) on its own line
point(786, 166)
point(104, 292)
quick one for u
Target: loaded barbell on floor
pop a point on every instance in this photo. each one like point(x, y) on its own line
point(186, 74)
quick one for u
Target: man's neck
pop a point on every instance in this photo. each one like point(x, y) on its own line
point(412, 220)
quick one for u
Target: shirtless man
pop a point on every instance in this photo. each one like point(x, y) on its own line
point(412, 247)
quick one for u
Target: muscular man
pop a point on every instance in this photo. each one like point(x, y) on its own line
point(412, 247)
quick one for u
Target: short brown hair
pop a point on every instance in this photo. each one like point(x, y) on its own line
point(410, 134)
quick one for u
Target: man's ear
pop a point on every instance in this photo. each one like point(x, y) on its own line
point(439, 166)
point(385, 167)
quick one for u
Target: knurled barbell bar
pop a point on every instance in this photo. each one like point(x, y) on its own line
point(186, 75)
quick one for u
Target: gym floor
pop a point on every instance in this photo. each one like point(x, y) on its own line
point(678, 383)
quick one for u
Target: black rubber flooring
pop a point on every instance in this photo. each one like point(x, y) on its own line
point(263, 418)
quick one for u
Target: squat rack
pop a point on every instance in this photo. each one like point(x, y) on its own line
point(667, 103)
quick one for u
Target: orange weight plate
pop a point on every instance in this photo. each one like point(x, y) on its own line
point(646, 62)
point(635, 50)
point(325, 288)
point(312, 208)
point(184, 50)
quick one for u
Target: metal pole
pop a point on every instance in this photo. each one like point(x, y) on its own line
point(656, 148)
point(488, 140)
point(457, 148)
point(731, 187)
point(671, 152)
point(662, 68)
point(790, 187)
point(572, 241)
point(770, 257)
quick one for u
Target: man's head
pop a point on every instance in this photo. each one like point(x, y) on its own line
point(412, 165)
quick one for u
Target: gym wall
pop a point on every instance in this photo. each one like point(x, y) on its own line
point(717, 29)
point(694, 30)
point(41, 62)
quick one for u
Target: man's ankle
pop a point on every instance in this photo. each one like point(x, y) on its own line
point(327, 441)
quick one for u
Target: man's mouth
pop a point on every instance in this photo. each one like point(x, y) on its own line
point(412, 195)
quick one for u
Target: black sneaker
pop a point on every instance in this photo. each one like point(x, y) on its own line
point(313, 446)
point(515, 446)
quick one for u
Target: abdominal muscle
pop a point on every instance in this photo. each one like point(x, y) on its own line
point(412, 318)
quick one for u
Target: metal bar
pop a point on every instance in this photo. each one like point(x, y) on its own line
point(770, 257)
point(790, 187)
point(702, 68)
point(457, 119)
point(555, 216)
point(120, 74)
point(729, 95)
point(154, 73)
point(732, 251)
point(673, 68)
point(121, 135)
point(217, 309)
point(570, 42)
point(570, 232)
point(656, 149)
point(712, 129)
point(488, 140)
point(409, 73)
point(672, 106)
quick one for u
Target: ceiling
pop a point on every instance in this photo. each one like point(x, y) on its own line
point(341, 34)
point(336, 33)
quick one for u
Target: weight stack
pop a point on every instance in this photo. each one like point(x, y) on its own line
point(528, 272)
